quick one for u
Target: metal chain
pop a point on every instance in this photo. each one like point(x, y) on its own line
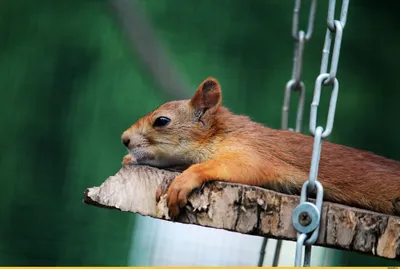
point(294, 84)
point(306, 216)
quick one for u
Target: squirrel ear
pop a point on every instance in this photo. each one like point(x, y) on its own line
point(208, 95)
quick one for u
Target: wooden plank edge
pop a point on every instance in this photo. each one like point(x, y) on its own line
point(248, 210)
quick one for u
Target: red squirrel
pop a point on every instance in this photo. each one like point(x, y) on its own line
point(215, 144)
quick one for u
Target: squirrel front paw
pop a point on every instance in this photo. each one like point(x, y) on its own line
point(127, 159)
point(179, 190)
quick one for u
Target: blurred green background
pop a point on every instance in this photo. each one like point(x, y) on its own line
point(72, 82)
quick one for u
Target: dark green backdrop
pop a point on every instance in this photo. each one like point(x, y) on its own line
point(71, 83)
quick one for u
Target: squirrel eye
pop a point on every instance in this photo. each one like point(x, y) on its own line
point(161, 121)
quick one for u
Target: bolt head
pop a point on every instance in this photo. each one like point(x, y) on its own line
point(304, 219)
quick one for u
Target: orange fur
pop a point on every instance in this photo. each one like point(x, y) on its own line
point(215, 144)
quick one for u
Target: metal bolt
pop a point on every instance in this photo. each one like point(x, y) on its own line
point(304, 219)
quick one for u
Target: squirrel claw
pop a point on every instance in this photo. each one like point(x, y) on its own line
point(127, 159)
point(178, 192)
point(174, 211)
point(159, 192)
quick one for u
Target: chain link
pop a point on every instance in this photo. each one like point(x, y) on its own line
point(331, 14)
point(311, 18)
point(336, 52)
point(306, 216)
point(332, 105)
point(295, 84)
point(286, 105)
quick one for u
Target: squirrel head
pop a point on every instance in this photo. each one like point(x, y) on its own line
point(178, 133)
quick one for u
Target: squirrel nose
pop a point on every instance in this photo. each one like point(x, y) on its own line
point(126, 141)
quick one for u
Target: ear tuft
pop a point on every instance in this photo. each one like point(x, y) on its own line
point(209, 84)
point(208, 95)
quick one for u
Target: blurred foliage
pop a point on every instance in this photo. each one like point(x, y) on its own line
point(71, 83)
